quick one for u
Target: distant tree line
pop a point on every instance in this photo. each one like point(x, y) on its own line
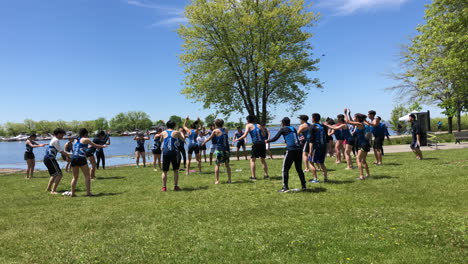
point(128, 121)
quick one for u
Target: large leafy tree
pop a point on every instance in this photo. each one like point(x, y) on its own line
point(248, 56)
point(435, 63)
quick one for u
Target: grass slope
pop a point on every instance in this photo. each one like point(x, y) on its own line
point(409, 211)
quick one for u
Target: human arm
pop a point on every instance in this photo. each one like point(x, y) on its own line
point(210, 137)
point(247, 130)
point(282, 131)
point(94, 145)
point(35, 145)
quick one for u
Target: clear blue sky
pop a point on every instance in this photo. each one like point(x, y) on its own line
point(84, 59)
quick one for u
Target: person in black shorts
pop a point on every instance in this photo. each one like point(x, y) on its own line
point(239, 144)
point(50, 160)
point(318, 147)
point(303, 132)
point(79, 161)
point(29, 154)
point(362, 143)
point(416, 132)
point(258, 135)
point(103, 138)
point(170, 141)
point(140, 148)
point(193, 147)
point(156, 150)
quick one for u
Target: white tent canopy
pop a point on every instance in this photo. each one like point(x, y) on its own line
point(406, 117)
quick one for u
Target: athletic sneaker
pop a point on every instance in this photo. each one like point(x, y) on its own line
point(304, 188)
point(266, 177)
point(314, 181)
point(164, 189)
point(253, 178)
point(177, 188)
point(284, 190)
point(325, 180)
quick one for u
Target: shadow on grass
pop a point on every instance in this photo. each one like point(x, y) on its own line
point(340, 182)
point(430, 158)
point(391, 164)
point(105, 194)
point(382, 177)
point(110, 178)
point(191, 189)
point(315, 190)
point(243, 181)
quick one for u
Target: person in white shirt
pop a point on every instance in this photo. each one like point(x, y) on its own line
point(50, 160)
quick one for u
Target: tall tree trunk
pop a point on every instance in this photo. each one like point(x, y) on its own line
point(450, 122)
point(458, 114)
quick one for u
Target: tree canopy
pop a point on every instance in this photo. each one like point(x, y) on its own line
point(248, 56)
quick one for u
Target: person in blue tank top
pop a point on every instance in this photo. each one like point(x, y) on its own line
point(362, 143)
point(303, 132)
point(171, 139)
point(293, 153)
point(258, 136)
point(378, 131)
point(140, 139)
point(222, 148)
point(193, 146)
point(318, 147)
point(29, 154)
point(79, 161)
point(241, 143)
point(156, 150)
point(347, 139)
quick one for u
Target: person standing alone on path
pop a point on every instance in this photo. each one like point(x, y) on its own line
point(416, 134)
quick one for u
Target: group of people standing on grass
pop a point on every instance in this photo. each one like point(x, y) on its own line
point(76, 152)
point(308, 145)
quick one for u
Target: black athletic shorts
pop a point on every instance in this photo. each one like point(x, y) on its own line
point(240, 144)
point(378, 142)
point(53, 167)
point(156, 151)
point(319, 154)
point(365, 146)
point(259, 150)
point(78, 162)
point(29, 155)
point(140, 149)
point(203, 147)
point(305, 147)
point(349, 141)
point(170, 158)
point(193, 148)
point(414, 145)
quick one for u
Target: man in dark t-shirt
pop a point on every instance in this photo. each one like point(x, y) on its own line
point(416, 132)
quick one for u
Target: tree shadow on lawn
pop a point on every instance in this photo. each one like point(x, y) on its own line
point(105, 194)
point(392, 164)
point(110, 178)
point(430, 158)
point(191, 189)
point(382, 177)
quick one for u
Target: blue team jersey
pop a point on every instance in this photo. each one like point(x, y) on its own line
point(292, 139)
point(305, 133)
point(140, 143)
point(360, 133)
point(339, 134)
point(256, 135)
point(170, 144)
point(79, 149)
point(379, 131)
point(222, 142)
point(193, 137)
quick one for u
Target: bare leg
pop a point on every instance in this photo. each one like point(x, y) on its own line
point(87, 176)
point(337, 151)
point(216, 174)
point(137, 157)
point(359, 161)
point(176, 178)
point(154, 161)
point(164, 178)
point(159, 160)
point(252, 167)
point(265, 167)
point(324, 170)
point(237, 152)
point(92, 170)
point(56, 183)
point(189, 159)
point(76, 173)
point(143, 156)
point(49, 185)
point(198, 157)
point(228, 169)
point(314, 172)
point(364, 163)
point(245, 152)
point(305, 159)
point(211, 158)
point(349, 160)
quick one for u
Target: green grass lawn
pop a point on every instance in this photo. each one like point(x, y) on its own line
point(409, 211)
